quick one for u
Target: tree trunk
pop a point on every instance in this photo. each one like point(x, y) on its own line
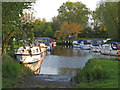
point(3, 45)
point(3, 49)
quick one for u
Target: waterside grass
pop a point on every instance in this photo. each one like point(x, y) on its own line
point(12, 71)
point(98, 73)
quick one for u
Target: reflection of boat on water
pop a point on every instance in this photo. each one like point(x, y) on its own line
point(29, 54)
point(110, 49)
point(35, 67)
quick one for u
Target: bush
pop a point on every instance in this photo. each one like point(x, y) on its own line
point(91, 72)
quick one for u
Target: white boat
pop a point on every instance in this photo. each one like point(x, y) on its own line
point(43, 47)
point(85, 44)
point(96, 45)
point(23, 54)
point(110, 49)
point(75, 44)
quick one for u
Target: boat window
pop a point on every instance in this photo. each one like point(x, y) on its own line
point(37, 50)
point(87, 42)
point(33, 51)
point(107, 47)
point(22, 50)
point(99, 42)
point(28, 51)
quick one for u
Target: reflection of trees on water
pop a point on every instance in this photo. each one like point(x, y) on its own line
point(69, 51)
point(68, 71)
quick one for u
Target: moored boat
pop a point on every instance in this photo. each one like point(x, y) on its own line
point(85, 44)
point(110, 49)
point(75, 44)
point(96, 45)
point(29, 54)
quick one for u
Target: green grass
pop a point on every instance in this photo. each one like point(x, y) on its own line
point(98, 73)
point(12, 71)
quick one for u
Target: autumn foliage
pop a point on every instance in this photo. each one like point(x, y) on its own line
point(68, 29)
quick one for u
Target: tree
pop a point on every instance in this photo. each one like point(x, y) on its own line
point(72, 18)
point(70, 28)
point(74, 12)
point(108, 14)
point(58, 35)
point(11, 22)
point(55, 24)
point(48, 32)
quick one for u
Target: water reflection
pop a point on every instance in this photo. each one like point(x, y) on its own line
point(68, 71)
point(36, 66)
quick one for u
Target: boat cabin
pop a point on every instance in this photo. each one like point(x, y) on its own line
point(97, 42)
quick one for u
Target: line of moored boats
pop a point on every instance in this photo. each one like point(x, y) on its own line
point(98, 45)
point(34, 52)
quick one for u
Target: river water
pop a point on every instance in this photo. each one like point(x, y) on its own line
point(58, 67)
point(65, 60)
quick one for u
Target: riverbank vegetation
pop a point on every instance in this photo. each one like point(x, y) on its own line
point(12, 71)
point(98, 73)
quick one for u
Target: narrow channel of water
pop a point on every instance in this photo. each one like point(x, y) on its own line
point(65, 60)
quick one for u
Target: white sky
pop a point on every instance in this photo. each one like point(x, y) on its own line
point(48, 8)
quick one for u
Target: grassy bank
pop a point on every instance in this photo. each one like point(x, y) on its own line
point(12, 72)
point(98, 73)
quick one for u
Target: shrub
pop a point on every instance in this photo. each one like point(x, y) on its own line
point(91, 72)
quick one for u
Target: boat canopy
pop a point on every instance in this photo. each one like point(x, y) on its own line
point(87, 41)
point(46, 40)
point(115, 45)
point(97, 42)
point(79, 41)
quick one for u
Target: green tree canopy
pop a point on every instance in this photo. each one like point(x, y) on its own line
point(74, 12)
point(11, 23)
point(48, 32)
point(108, 15)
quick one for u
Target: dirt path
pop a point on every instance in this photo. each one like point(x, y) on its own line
point(47, 81)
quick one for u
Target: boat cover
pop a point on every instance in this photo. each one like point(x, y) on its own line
point(79, 41)
point(97, 42)
point(87, 41)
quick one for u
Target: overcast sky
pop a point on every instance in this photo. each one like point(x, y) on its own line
point(48, 8)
